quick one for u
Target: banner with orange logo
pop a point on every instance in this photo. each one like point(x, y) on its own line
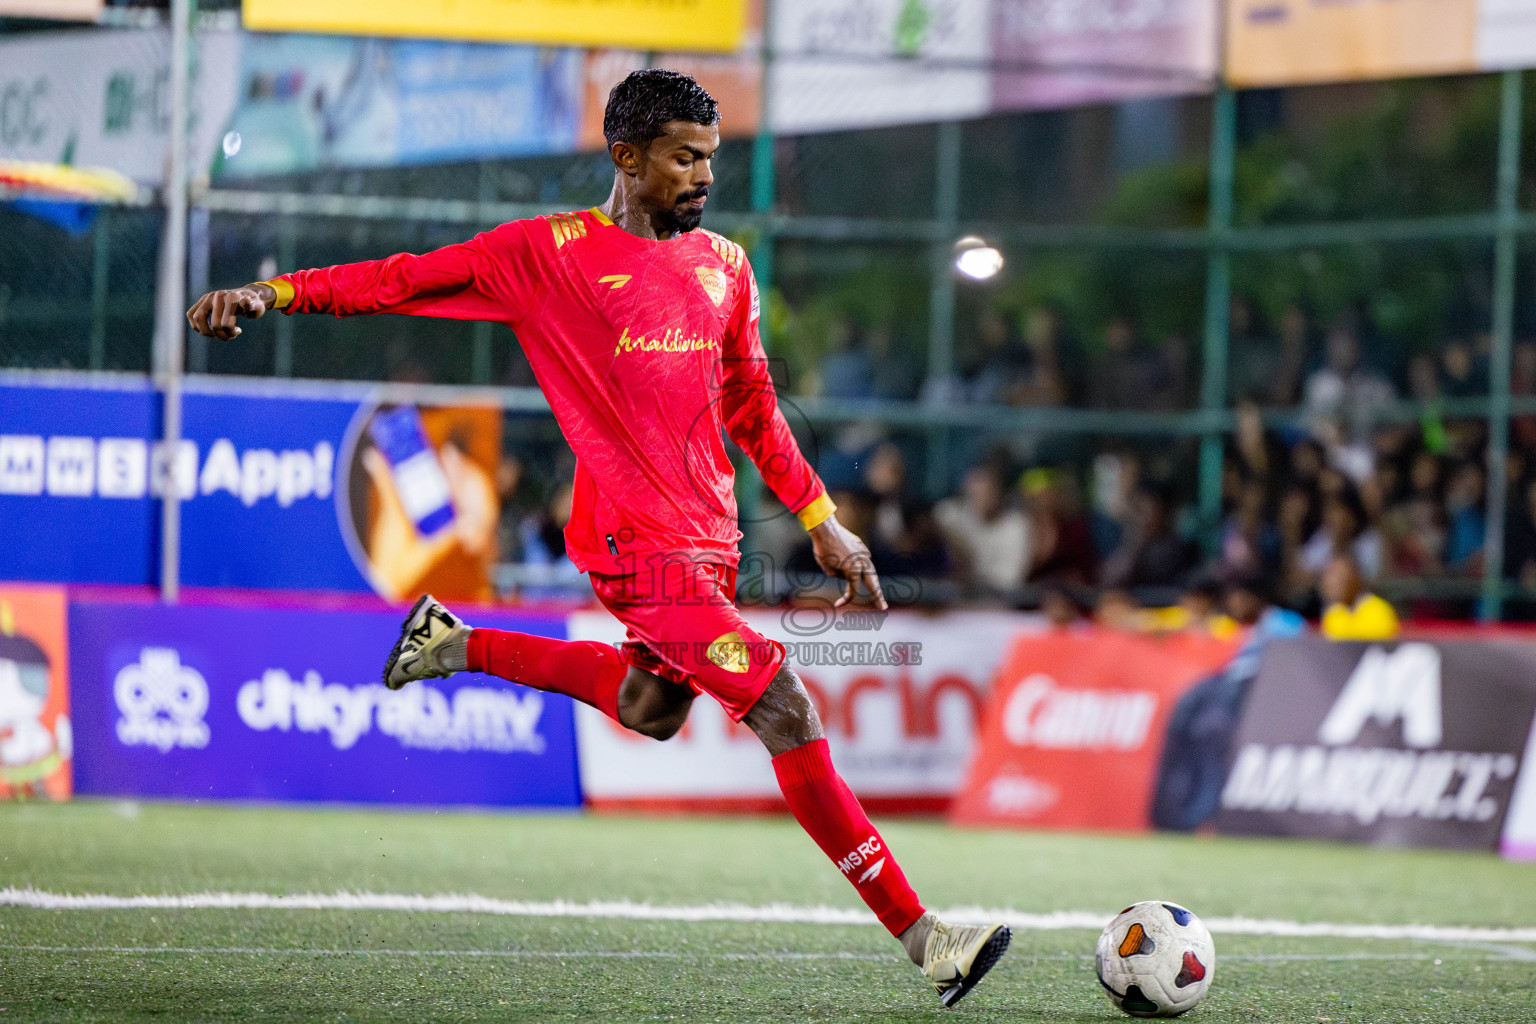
point(900, 694)
point(36, 740)
point(1073, 731)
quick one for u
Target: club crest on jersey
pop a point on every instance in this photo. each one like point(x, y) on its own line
point(714, 283)
point(730, 653)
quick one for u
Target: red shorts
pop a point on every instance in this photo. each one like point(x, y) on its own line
point(683, 625)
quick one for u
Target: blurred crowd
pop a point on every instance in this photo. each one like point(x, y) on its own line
point(1322, 495)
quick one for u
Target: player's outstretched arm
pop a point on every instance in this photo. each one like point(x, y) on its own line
point(840, 553)
point(490, 277)
point(213, 315)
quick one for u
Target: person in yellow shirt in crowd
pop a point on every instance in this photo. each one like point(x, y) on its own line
point(1352, 612)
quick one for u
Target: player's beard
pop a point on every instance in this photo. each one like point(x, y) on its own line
point(682, 218)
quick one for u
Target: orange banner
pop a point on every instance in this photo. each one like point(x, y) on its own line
point(36, 742)
point(1292, 42)
point(734, 80)
point(1074, 728)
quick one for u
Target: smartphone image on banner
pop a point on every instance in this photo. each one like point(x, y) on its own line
point(419, 478)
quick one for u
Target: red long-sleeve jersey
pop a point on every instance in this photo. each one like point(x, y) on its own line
point(646, 350)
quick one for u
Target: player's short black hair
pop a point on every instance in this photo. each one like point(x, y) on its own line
point(649, 98)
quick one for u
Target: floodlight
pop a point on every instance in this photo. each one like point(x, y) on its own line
point(977, 258)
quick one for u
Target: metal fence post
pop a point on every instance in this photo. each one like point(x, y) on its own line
point(1218, 298)
point(287, 262)
point(941, 293)
point(170, 321)
point(101, 271)
point(1505, 255)
point(749, 489)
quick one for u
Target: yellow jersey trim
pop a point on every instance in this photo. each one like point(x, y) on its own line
point(597, 212)
point(285, 292)
point(567, 227)
point(817, 512)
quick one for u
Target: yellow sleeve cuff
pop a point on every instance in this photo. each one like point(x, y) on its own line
point(817, 512)
point(285, 292)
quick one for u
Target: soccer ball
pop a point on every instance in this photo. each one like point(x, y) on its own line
point(1155, 959)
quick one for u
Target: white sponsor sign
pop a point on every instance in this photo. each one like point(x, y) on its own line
point(101, 98)
point(863, 63)
point(421, 716)
point(162, 702)
point(131, 467)
point(901, 720)
point(71, 10)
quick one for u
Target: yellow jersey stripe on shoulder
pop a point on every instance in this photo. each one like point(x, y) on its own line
point(733, 254)
point(567, 227)
point(603, 218)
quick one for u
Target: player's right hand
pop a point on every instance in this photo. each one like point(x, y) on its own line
point(214, 314)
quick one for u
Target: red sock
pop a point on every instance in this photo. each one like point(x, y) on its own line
point(824, 806)
point(589, 671)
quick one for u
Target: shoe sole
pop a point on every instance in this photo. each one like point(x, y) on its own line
point(985, 960)
point(394, 654)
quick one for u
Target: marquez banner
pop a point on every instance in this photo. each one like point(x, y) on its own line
point(1072, 735)
point(1417, 744)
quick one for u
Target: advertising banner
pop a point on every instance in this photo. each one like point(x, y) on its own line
point(101, 98)
point(280, 493)
point(1412, 744)
point(900, 695)
point(286, 704)
point(71, 10)
point(637, 24)
point(334, 101)
point(1051, 54)
point(36, 735)
point(1072, 734)
point(1519, 840)
point(842, 64)
point(1289, 42)
point(734, 80)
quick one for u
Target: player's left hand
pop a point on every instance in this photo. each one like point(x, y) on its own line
point(840, 553)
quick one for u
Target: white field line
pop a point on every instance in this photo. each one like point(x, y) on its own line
point(1493, 953)
point(774, 913)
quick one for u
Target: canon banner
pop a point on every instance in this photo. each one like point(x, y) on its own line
point(900, 695)
point(1414, 744)
point(284, 704)
point(1072, 735)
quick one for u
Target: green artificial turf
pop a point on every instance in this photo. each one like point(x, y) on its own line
point(291, 965)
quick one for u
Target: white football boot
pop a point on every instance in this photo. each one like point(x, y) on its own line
point(429, 633)
point(957, 956)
